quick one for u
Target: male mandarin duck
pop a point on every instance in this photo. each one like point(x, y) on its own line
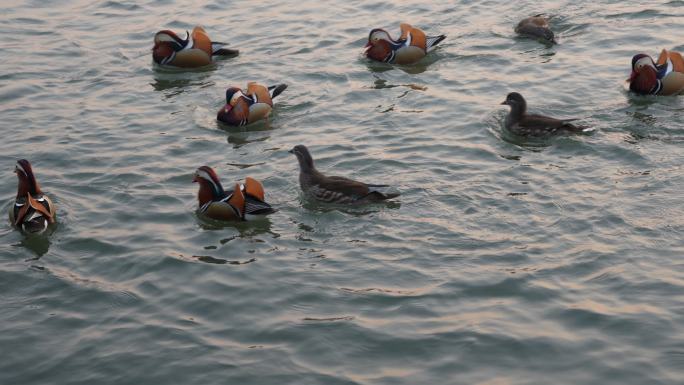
point(665, 77)
point(519, 122)
point(247, 107)
point(336, 189)
point(196, 50)
point(412, 46)
point(243, 202)
point(537, 27)
point(32, 211)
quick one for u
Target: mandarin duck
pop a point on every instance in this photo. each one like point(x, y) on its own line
point(245, 201)
point(665, 77)
point(412, 46)
point(196, 50)
point(536, 27)
point(247, 107)
point(32, 211)
point(336, 189)
point(519, 122)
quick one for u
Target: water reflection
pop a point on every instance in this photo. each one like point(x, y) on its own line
point(37, 243)
point(357, 211)
point(412, 69)
point(180, 80)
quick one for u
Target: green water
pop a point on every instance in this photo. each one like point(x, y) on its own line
point(503, 262)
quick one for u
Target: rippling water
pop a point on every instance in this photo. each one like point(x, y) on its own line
point(503, 262)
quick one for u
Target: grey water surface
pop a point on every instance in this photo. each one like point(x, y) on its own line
point(504, 261)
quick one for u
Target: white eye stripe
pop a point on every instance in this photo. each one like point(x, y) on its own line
point(205, 175)
point(21, 168)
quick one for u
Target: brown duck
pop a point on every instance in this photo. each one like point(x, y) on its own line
point(32, 211)
point(536, 27)
point(519, 122)
point(336, 189)
point(196, 50)
point(246, 200)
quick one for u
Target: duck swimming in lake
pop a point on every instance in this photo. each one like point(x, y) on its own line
point(336, 189)
point(664, 77)
point(246, 200)
point(32, 211)
point(536, 27)
point(244, 107)
point(196, 50)
point(411, 46)
point(519, 122)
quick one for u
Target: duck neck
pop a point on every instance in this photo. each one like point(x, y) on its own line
point(27, 184)
point(206, 193)
point(518, 110)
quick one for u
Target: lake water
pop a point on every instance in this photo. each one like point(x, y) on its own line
point(503, 262)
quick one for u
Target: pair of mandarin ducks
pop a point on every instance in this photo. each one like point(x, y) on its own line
point(256, 102)
point(33, 211)
point(197, 50)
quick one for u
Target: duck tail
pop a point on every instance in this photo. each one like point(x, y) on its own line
point(432, 41)
point(577, 128)
point(218, 50)
point(276, 90)
point(254, 206)
point(383, 191)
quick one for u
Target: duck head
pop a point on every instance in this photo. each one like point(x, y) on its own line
point(210, 187)
point(378, 46)
point(27, 181)
point(644, 75)
point(303, 156)
point(233, 94)
point(516, 102)
point(166, 44)
point(33, 216)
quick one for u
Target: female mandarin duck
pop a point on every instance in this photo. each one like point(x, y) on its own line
point(666, 77)
point(196, 50)
point(412, 46)
point(246, 199)
point(33, 211)
point(519, 122)
point(247, 107)
point(336, 189)
point(536, 27)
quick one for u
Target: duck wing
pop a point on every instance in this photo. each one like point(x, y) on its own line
point(538, 125)
point(338, 189)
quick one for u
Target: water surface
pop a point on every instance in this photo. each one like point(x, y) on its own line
point(503, 262)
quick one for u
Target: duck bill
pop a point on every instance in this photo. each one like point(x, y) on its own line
point(367, 47)
point(504, 103)
point(633, 76)
point(226, 109)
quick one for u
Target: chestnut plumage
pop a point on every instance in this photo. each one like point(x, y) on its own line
point(32, 211)
point(245, 107)
point(412, 46)
point(244, 200)
point(196, 50)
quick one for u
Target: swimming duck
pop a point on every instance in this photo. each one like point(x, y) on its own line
point(196, 50)
point(241, 204)
point(32, 211)
point(536, 27)
point(247, 107)
point(665, 77)
point(519, 122)
point(412, 46)
point(336, 189)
